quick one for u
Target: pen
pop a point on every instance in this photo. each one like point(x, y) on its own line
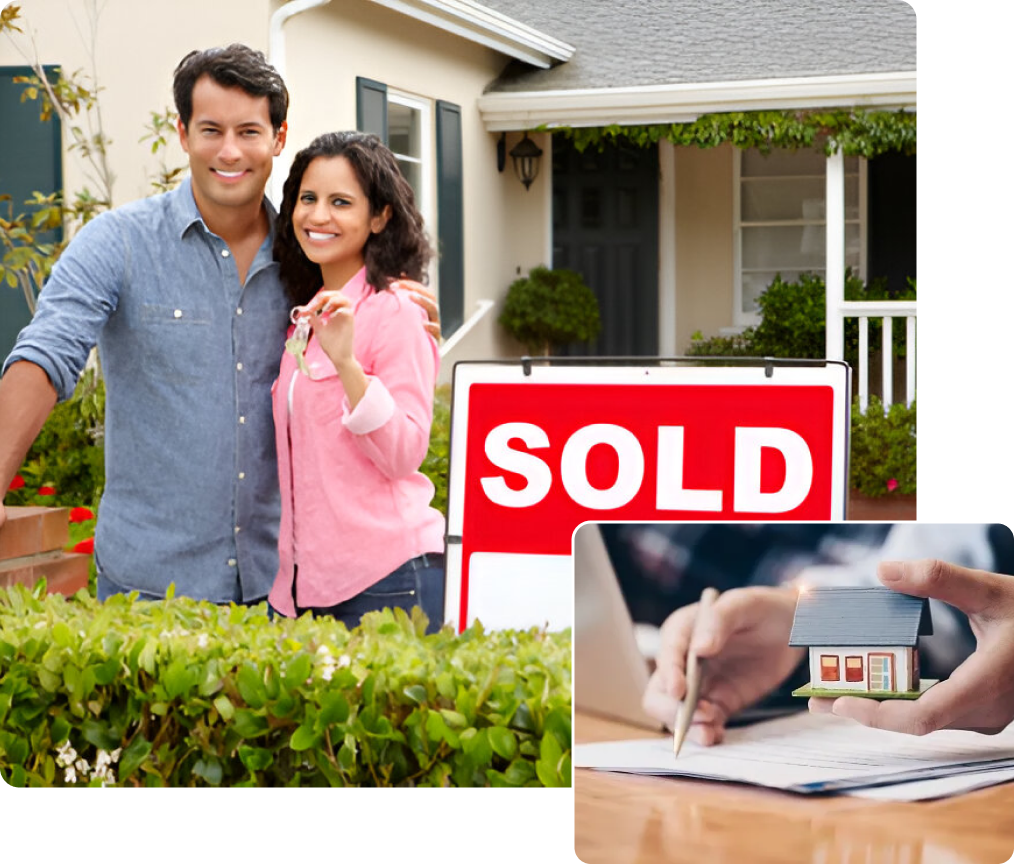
point(693, 667)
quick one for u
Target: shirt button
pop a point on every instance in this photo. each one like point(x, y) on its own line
point(236, 529)
point(243, 420)
point(225, 254)
point(240, 475)
point(177, 314)
point(231, 562)
point(240, 365)
point(240, 311)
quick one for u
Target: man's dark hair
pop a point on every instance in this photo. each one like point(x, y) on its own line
point(235, 65)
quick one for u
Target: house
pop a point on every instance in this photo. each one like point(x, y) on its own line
point(674, 238)
point(862, 641)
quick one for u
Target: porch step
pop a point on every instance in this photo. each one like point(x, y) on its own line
point(31, 547)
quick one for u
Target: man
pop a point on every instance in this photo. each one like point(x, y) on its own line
point(182, 296)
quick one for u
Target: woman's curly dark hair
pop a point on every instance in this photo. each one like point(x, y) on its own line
point(401, 248)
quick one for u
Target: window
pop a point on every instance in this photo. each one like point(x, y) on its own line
point(853, 670)
point(780, 214)
point(426, 137)
point(829, 668)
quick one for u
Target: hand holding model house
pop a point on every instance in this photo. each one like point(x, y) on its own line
point(978, 695)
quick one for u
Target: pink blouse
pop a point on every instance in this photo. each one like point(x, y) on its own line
point(355, 505)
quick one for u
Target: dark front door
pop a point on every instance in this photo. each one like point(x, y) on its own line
point(605, 227)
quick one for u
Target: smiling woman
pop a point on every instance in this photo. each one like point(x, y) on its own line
point(353, 420)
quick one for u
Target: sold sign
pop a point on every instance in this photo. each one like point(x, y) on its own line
point(536, 454)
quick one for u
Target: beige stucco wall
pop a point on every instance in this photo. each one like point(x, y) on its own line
point(137, 47)
point(704, 241)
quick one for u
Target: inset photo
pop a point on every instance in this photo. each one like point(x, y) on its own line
point(793, 692)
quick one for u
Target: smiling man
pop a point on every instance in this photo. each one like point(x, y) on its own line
point(182, 296)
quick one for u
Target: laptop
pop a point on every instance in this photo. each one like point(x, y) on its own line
point(610, 674)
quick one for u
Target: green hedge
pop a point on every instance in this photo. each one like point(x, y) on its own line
point(185, 693)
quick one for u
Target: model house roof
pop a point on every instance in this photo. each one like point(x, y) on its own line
point(859, 616)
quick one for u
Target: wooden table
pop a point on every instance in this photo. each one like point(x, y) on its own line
point(628, 819)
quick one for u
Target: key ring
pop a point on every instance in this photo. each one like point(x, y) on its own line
point(295, 316)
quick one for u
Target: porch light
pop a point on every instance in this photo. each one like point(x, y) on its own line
point(526, 160)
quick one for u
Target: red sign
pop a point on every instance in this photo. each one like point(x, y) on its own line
point(543, 457)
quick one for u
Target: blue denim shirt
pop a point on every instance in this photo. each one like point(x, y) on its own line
point(189, 356)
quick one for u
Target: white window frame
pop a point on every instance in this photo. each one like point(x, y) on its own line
point(742, 319)
point(425, 195)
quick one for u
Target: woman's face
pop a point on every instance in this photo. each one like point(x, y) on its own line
point(332, 217)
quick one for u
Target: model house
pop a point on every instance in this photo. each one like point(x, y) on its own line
point(861, 641)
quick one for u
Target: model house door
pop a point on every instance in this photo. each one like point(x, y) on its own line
point(881, 672)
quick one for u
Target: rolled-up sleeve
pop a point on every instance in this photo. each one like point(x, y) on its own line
point(75, 303)
point(392, 421)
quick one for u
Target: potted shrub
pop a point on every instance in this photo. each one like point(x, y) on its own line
point(549, 309)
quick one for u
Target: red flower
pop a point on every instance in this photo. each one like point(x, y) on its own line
point(85, 546)
point(80, 513)
point(16, 482)
point(46, 491)
point(891, 485)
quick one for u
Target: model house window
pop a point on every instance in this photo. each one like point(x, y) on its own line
point(829, 668)
point(853, 669)
point(426, 137)
point(780, 216)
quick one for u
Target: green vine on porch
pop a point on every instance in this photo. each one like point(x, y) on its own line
point(854, 131)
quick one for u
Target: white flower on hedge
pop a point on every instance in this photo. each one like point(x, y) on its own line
point(70, 776)
point(66, 755)
point(82, 766)
point(344, 661)
point(41, 624)
point(203, 640)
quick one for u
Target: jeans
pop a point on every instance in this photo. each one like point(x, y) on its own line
point(420, 581)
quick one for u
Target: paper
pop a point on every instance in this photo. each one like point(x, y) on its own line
point(809, 753)
point(923, 790)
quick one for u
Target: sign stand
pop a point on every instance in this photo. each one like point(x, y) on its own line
point(538, 446)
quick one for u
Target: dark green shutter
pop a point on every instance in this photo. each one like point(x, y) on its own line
point(372, 107)
point(449, 128)
point(30, 160)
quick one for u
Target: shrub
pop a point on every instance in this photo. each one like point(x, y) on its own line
point(186, 693)
point(883, 448)
point(67, 455)
point(435, 465)
point(550, 309)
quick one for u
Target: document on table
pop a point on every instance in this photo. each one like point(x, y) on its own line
point(809, 753)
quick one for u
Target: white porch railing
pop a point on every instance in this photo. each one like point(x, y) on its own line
point(863, 311)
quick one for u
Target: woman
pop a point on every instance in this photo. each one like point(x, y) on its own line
point(357, 532)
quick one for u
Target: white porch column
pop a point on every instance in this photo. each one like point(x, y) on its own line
point(835, 256)
point(667, 306)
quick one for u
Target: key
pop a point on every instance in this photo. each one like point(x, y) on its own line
point(297, 344)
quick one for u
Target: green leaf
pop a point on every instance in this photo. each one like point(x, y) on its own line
point(251, 686)
point(62, 634)
point(256, 758)
point(297, 671)
point(416, 693)
point(547, 774)
point(132, 757)
point(503, 741)
point(224, 706)
point(209, 769)
point(303, 738)
point(519, 772)
point(550, 749)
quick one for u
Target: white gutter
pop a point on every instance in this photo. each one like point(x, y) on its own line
point(484, 26)
point(277, 57)
point(683, 103)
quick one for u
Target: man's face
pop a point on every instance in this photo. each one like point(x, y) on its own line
point(230, 144)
